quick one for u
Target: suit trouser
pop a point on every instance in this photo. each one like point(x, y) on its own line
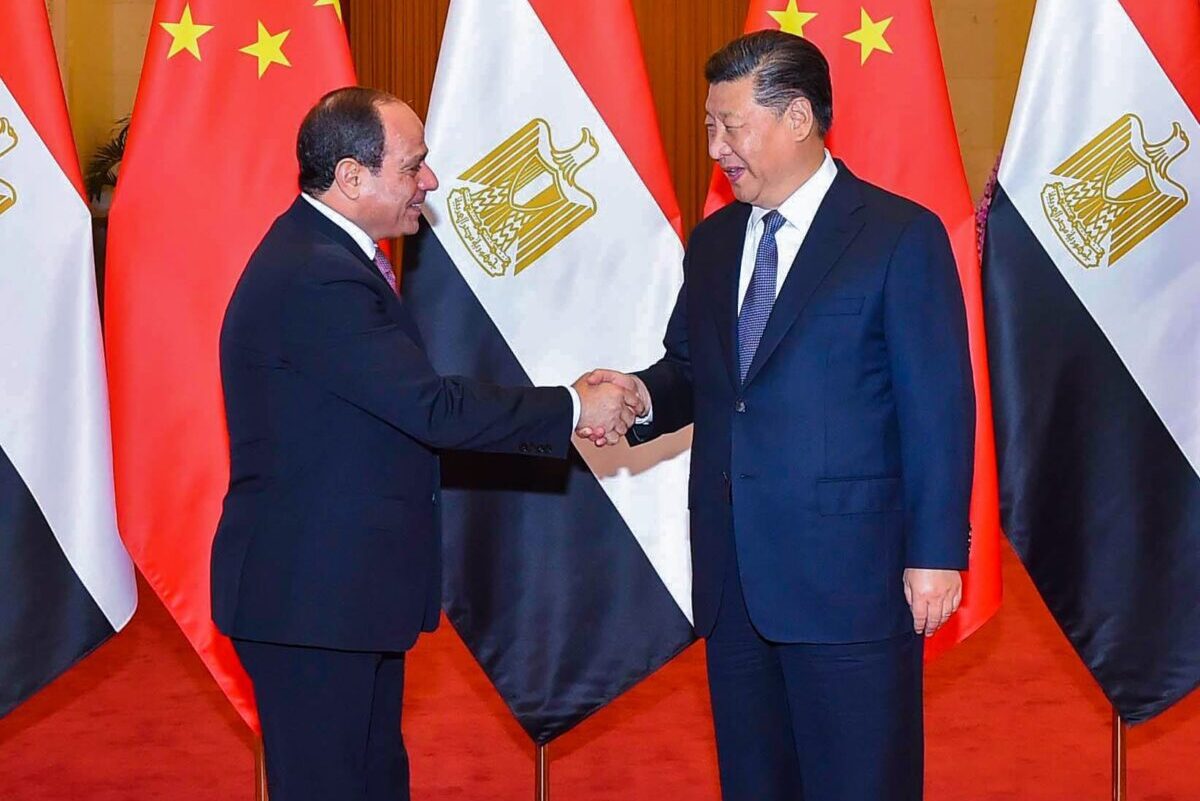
point(813, 722)
point(331, 722)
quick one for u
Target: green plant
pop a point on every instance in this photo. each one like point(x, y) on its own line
point(102, 167)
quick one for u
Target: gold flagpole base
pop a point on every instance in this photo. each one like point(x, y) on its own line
point(260, 771)
point(1119, 789)
point(541, 784)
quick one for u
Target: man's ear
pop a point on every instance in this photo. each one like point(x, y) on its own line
point(348, 176)
point(801, 118)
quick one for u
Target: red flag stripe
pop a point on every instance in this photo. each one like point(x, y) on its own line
point(622, 96)
point(25, 40)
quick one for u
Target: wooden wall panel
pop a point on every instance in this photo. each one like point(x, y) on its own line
point(395, 45)
point(677, 38)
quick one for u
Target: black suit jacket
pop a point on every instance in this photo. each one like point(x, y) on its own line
point(846, 455)
point(329, 534)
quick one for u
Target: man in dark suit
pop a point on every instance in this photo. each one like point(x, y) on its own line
point(326, 564)
point(819, 344)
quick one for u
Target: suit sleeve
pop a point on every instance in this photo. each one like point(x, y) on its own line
point(669, 380)
point(340, 335)
point(926, 332)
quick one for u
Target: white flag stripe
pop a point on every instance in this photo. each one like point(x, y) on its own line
point(1085, 67)
point(601, 297)
point(54, 423)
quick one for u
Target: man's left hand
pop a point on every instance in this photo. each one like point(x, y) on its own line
point(933, 596)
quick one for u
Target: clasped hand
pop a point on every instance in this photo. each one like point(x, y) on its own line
point(611, 402)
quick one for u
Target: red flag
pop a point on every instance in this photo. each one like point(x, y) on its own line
point(892, 125)
point(210, 163)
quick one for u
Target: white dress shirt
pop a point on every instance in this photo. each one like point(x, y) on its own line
point(798, 210)
point(360, 237)
point(364, 241)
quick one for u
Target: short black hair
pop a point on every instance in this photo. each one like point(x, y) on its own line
point(343, 124)
point(783, 66)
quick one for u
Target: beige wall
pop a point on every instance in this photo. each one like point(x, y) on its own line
point(101, 44)
point(983, 43)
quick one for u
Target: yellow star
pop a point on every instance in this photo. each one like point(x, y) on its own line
point(870, 35)
point(337, 6)
point(268, 49)
point(792, 19)
point(185, 34)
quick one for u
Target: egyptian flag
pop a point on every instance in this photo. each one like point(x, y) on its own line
point(66, 583)
point(210, 164)
point(1092, 281)
point(553, 247)
point(893, 127)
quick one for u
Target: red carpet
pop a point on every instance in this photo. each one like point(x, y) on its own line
point(1010, 715)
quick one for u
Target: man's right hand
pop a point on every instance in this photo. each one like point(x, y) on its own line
point(632, 386)
point(607, 411)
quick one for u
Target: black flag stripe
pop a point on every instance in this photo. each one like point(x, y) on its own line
point(48, 619)
point(544, 581)
point(1096, 496)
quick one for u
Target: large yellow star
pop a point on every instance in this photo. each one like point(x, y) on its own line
point(337, 6)
point(268, 49)
point(185, 34)
point(792, 19)
point(870, 35)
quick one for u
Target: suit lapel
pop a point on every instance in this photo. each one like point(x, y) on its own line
point(726, 257)
point(833, 228)
point(311, 219)
point(315, 220)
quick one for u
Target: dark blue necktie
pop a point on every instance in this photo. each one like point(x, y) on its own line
point(760, 296)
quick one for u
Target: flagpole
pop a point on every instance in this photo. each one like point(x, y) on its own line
point(541, 782)
point(260, 771)
point(1118, 757)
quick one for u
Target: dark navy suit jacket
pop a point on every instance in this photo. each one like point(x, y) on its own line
point(329, 534)
point(846, 455)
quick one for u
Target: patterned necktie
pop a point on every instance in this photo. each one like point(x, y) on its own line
point(760, 296)
point(385, 267)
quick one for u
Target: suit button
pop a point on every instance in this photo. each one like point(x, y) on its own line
point(740, 406)
point(433, 497)
point(543, 448)
point(524, 447)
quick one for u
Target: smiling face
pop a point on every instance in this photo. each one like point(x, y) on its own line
point(766, 155)
point(390, 200)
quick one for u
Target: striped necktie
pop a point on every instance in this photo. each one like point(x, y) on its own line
point(760, 296)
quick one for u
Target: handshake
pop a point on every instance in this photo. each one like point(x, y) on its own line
point(610, 403)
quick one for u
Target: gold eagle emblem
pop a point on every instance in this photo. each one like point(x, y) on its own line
point(524, 199)
point(8, 141)
point(1115, 192)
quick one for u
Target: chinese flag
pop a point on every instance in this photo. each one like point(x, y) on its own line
point(210, 163)
point(892, 125)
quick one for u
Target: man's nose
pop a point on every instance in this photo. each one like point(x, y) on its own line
point(427, 180)
point(718, 147)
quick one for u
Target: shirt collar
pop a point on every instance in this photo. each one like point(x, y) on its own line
point(801, 206)
point(361, 237)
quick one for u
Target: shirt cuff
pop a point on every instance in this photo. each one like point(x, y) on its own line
point(648, 417)
point(575, 407)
